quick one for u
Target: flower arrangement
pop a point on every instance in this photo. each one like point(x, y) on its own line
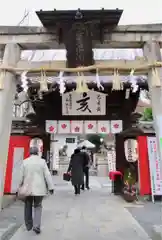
point(129, 189)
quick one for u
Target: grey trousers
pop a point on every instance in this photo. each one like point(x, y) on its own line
point(30, 220)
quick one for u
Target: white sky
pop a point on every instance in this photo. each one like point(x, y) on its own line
point(135, 12)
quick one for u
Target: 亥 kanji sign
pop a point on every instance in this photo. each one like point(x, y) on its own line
point(87, 103)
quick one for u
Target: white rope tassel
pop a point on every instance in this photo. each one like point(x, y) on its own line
point(2, 78)
point(81, 85)
point(117, 84)
point(155, 81)
point(43, 82)
point(62, 83)
point(84, 84)
point(99, 85)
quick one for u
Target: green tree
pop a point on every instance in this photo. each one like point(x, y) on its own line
point(147, 114)
point(95, 139)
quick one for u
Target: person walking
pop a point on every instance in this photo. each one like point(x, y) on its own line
point(36, 177)
point(76, 170)
point(87, 162)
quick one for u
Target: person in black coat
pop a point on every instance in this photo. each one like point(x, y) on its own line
point(86, 165)
point(76, 169)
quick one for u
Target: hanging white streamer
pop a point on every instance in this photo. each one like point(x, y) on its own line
point(62, 83)
point(24, 80)
point(134, 85)
point(99, 85)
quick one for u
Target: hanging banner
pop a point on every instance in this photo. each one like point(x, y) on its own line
point(77, 127)
point(111, 160)
point(51, 126)
point(159, 123)
point(143, 166)
point(63, 127)
point(87, 103)
point(90, 127)
point(103, 126)
point(116, 126)
point(155, 166)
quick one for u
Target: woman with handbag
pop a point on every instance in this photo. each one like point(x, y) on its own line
point(35, 182)
point(76, 170)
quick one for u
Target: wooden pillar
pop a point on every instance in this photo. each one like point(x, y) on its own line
point(46, 146)
point(152, 52)
point(120, 161)
point(11, 57)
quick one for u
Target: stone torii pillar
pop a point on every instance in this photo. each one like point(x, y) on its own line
point(11, 57)
point(152, 53)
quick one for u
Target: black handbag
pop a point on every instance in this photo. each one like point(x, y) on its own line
point(66, 177)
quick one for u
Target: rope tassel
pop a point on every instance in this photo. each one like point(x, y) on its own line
point(117, 84)
point(43, 82)
point(2, 77)
point(81, 85)
point(155, 81)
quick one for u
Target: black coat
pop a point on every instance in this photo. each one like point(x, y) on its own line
point(76, 167)
point(86, 160)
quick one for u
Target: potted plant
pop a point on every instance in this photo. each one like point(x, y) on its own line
point(129, 189)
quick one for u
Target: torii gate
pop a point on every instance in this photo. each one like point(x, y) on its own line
point(14, 39)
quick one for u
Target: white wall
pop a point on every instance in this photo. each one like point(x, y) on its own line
point(60, 141)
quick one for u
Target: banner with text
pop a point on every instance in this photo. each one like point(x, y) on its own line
point(155, 166)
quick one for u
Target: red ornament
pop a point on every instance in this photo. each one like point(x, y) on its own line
point(90, 126)
point(51, 128)
point(77, 129)
point(63, 126)
point(103, 129)
point(116, 125)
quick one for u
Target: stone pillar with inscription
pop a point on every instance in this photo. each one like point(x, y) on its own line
point(11, 57)
point(152, 53)
point(102, 165)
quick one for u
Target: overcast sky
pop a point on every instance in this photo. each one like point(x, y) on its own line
point(135, 12)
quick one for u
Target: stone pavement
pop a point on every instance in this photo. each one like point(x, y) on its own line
point(95, 214)
point(11, 218)
point(149, 216)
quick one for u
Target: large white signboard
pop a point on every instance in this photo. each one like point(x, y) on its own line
point(87, 103)
point(155, 166)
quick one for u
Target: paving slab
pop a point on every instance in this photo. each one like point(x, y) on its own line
point(96, 214)
point(149, 216)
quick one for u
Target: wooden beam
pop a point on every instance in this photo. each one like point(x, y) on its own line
point(126, 36)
